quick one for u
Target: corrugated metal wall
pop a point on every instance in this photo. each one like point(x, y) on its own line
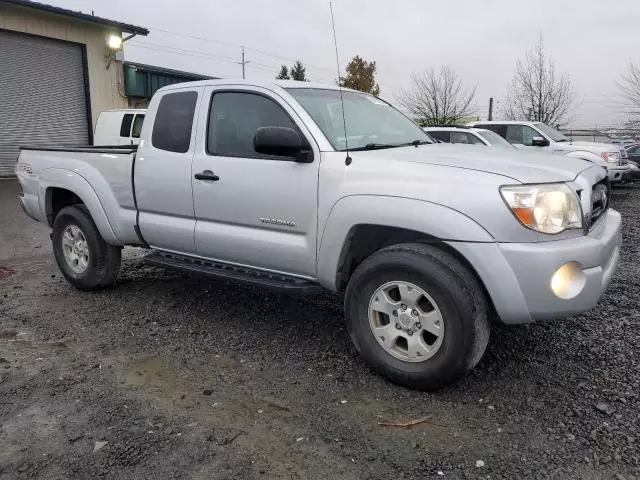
point(42, 95)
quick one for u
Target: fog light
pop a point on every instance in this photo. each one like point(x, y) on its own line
point(568, 281)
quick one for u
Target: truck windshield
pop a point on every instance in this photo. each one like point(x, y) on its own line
point(551, 132)
point(371, 123)
point(494, 139)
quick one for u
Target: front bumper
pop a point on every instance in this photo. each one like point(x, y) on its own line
point(517, 276)
point(619, 174)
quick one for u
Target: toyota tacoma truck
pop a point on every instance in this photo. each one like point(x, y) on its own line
point(543, 138)
point(299, 186)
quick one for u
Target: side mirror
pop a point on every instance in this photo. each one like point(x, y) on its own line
point(539, 142)
point(278, 141)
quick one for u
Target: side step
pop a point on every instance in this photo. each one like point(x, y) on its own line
point(231, 272)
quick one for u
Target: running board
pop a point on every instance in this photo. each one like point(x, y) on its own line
point(231, 272)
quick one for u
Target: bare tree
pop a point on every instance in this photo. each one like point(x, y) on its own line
point(538, 92)
point(438, 97)
point(630, 89)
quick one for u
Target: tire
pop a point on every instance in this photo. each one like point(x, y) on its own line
point(457, 299)
point(103, 260)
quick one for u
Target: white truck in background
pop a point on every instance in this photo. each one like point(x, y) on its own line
point(540, 137)
point(119, 127)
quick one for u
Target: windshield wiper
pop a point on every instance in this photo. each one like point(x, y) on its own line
point(380, 146)
point(562, 140)
point(415, 143)
point(374, 146)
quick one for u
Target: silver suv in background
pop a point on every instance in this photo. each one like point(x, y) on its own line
point(467, 136)
point(541, 137)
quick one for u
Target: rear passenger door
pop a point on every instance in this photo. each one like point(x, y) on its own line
point(261, 210)
point(162, 173)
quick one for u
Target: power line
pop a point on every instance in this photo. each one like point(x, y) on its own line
point(200, 54)
point(168, 48)
point(205, 39)
point(228, 59)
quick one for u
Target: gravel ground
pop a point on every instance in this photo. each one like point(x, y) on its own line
point(170, 376)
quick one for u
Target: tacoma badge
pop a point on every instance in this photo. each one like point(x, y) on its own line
point(277, 221)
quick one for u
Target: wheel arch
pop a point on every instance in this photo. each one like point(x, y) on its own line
point(386, 221)
point(62, 188)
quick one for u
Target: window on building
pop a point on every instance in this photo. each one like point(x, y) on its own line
point(235, 117)
point(174, 121)
point(125, 126)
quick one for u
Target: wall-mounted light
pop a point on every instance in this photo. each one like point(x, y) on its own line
point(114, 42)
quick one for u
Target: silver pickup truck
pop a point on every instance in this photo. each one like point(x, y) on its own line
point(269, 183)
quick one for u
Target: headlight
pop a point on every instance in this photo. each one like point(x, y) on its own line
point(611, 157)
point(548, 208)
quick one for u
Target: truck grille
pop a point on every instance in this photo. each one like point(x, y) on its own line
point(624, 157)
point(600, 196)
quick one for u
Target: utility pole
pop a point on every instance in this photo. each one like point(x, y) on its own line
point(243, 63)
point(490, 117)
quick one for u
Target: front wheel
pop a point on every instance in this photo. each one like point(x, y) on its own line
point(84, 258)
point(417, 315)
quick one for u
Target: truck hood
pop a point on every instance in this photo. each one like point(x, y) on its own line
point(593, 147)
point(522, 166)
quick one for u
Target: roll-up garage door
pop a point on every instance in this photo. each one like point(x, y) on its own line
point(42, 95)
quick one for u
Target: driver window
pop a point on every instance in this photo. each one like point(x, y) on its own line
point(234, 118)
point(521, 135)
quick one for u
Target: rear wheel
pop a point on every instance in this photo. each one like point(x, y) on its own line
point(84, 258)
point(417, 315)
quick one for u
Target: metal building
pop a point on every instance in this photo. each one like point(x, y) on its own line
point(58, 70)
point(141, 81)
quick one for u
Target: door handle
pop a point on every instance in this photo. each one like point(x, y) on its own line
point(207, 175)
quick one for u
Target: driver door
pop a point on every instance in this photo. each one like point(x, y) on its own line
point(261, 211)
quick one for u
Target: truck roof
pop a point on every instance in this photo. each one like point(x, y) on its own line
point(269, 84)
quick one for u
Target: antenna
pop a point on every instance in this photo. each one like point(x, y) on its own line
point(344, 120)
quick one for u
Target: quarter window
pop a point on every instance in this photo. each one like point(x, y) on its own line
point(125, 126)
point(173, 122)
point(235, 117)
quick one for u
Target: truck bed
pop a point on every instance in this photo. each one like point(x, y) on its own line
point(100, 175)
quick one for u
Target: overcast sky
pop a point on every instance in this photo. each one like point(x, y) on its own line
point(591, 40)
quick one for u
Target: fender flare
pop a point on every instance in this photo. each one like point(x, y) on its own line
point(75, 183)
point(421, 216)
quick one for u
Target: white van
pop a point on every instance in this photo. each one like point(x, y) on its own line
point(119, 127)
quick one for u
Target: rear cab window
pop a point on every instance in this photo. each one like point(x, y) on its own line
point(174, 121)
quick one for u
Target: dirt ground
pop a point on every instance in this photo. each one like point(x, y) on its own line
point(171, 376)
